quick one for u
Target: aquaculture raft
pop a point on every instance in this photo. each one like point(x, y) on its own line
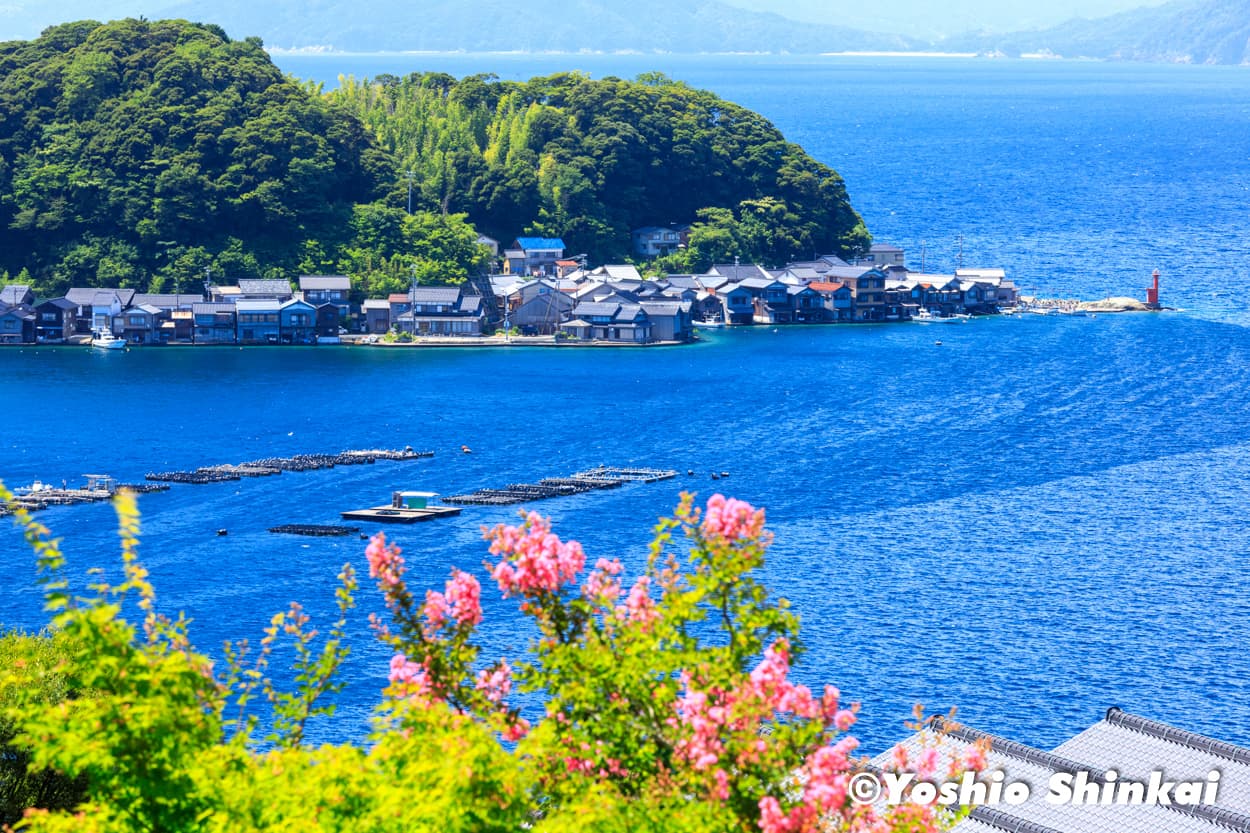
point(270, 466)
point(320, 530)
point(601, 477)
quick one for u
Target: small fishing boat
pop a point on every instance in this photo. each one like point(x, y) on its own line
point(105, 340)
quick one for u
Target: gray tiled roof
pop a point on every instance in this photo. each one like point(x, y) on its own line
point(83, 296)
point(1102, 747)
point(14, 293)
point(212, 308)
point(434, 294)
point(264, 287)
point(166, 300)
point(588, 309)
point(315, 282)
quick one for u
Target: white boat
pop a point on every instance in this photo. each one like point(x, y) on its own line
point(925, 316)
point(105, 340)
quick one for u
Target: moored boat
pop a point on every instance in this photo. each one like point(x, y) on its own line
point(105, 340)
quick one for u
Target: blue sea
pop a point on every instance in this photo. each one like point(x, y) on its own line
point(1032, 521)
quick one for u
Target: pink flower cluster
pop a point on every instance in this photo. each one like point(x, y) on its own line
point(731, 519)
point(825, 776)
point(535, 560)
point(495, 683)
point(385, 563)
point(461, 602)
point(771, 685)
point(412, 677)
point(602, 585)
point(638, 605)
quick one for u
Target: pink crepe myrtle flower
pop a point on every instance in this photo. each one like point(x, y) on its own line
point(385, 563)
point(602, 585)
point(410, 677)
point(638, 605)
point(731, 519)
point(495, 683)
point(534, 559)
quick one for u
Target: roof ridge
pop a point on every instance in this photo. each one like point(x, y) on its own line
point(1182, 737)
point(1015, 749)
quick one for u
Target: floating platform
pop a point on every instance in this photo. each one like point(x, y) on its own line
point(601, 477)
point(270, 466)
point(317, 530)
point(393, 515)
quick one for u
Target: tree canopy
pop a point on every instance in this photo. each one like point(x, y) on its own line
point(590, 160)
point(140, 150)
point(139, 153)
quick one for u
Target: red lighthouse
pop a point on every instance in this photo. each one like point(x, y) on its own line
point(1152, 292)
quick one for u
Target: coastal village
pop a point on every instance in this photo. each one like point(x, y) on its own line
point(538, 292)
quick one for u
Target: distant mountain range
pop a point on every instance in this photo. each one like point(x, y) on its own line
point(1193, 31)
point(486, 25)
point(1204, 32)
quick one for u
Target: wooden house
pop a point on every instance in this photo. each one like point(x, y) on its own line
point(257, 321)
point(609, 321)
point(328, 289)
point(297, 322)
point(837, 300)
point(54, 320)
point(17, 324)
point(213, 323)
point(377, 315)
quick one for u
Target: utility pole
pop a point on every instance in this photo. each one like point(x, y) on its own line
point(412, 176)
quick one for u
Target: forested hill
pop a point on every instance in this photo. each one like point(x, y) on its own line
point(158, 148)
point(589, 160)
point(141, 153)
point(1187, 31)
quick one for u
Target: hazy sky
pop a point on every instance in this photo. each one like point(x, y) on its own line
point(919, 18)
point(933, 18)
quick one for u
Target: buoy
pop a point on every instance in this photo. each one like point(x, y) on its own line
point(466, 449)
point(223, 532)
point(715, 476)
point(689, 472)
point(724, 474)
point(938, 343)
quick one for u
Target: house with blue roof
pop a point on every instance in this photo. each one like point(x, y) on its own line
point(538, 256)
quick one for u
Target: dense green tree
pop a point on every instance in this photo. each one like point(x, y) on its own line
point(127, 147)
point(589, 160)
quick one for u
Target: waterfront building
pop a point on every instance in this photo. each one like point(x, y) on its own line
point(377, 312)
point(54, 320)
point(297, 322)
point(213, 323)
point(17, 324)
point(109, 300)
point(440, 311)
point(609, 321)
point(867, 285)
point(670, 320)
point(258, 320)
point(328, 289)
point(543, 314)
point(138, 324)
point(837, 299)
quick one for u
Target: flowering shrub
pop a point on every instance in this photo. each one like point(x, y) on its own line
point(667, 705)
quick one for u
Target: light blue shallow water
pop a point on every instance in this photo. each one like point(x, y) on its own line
point(1035, 520)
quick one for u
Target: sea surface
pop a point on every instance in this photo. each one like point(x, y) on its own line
point(1034, 520)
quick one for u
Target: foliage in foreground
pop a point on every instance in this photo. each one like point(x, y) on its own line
point(668, 703)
